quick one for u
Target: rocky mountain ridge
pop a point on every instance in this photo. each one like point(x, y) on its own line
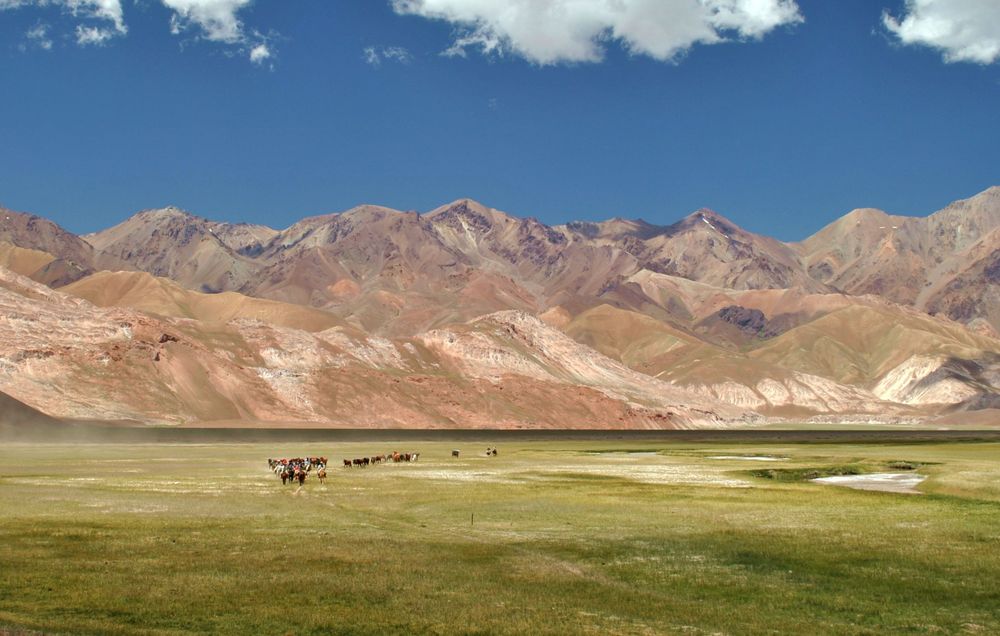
point(632, 324)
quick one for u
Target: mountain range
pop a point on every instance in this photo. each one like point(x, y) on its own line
point(466, 316)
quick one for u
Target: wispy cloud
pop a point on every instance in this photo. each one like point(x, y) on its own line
point(38, 35)
point(560, 31)
point(97, 22)
point(963, 30)
point(93, 35)
point(375, 55)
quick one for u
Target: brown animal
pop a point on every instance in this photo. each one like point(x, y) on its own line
point(347, 463)
point(321, 475)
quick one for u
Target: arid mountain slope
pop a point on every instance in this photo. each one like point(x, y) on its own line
point(27, 262)
point(935, 263)
point(71, 257)
point(15, 414)
point(724, 374)
point(468, 316)
point(708, 248)
point(163, 297)
point(387, 272)
point(399, 273)
point(68, 358)
point(781, 352)
point(195, 252)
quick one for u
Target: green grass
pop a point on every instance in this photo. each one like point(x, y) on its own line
point(549, 537)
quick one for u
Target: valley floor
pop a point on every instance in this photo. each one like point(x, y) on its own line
point(551, 536)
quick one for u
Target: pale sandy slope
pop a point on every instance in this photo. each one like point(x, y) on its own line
point(163, 297)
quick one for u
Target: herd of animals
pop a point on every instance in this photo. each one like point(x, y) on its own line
point(394, 456)
point(298, 468)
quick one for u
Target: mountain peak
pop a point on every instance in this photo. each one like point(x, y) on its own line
point(704, 219)
point(166, 214)
point(471, 215)
point(463, 206)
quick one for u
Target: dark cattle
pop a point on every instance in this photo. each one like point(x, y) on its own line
point(347, 463)
point(454, 453)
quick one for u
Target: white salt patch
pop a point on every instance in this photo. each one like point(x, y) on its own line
point(905, 483)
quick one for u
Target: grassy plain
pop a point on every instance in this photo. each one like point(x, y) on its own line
point(549, 537)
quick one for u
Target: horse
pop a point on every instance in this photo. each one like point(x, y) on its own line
point(347, 463)
point(321, 475)
point(454, 453)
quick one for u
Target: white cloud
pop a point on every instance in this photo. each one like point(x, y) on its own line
point(39, 36)
point(397, 54)
point(98, 21)
point(554, 31)
point(375, 55)
point(104, 18)
point(260, 53)
point(963, 30)
point(216, 19)
point(93, 36)
point(110, 10)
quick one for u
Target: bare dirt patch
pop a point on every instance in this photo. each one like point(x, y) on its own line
point(902, 483)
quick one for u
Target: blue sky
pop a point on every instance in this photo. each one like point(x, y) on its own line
point(782, 127)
